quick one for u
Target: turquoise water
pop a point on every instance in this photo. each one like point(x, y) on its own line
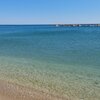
point(59, 60)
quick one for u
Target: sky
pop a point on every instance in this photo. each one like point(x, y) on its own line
point(49, 11)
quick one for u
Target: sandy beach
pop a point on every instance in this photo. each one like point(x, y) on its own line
point(10, 91)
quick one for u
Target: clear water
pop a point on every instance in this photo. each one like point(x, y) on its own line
point(59, 60)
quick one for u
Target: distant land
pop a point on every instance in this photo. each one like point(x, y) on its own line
point(77, 25)
point(74, 25)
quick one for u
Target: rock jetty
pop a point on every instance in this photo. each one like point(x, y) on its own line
point(77, 25)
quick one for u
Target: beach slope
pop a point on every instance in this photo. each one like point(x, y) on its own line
point(11, 91)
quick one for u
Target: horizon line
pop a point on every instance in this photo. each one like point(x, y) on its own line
point(56, 24)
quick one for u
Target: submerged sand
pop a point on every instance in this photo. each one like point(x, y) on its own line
point(11, 91)
point(34, 80)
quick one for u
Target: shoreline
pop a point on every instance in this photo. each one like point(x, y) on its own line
point(11, 91)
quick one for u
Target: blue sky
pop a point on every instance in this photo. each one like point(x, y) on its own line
point(49, 11)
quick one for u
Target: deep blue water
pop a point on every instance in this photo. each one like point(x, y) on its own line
point(71, 45)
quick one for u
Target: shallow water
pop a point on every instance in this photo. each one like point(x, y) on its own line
point(59, 60)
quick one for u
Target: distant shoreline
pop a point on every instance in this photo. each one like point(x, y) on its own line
point(79, 25)
point(74, 25)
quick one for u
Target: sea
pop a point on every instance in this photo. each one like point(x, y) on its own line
point(61, 60)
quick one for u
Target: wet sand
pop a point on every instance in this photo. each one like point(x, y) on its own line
point(11, 91)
